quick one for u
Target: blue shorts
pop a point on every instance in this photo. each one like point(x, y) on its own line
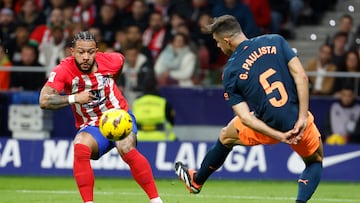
point(105, 145)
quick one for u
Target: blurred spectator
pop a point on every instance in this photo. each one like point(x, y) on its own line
point(351, 65)
point(322, 64)
point(339, 51)
point(207, 52)
point(134, 36)
point(296, 9)
point(176, 20)
point(13, 46)
point(51, 4)
point(192, 9)
point(19, 3)
point(262, 13)
point(85, 12)
point(354, 137)
point(122, 8)
point(4, 75)
point(42, 32)
point(280, 10)
point(7, 24)
point(7, 4)
point(68, 12)
point(197, 8)
point(136, 68)
point(184, 29)
point(139, 15)
point(164, 7)
point(342, 118)
point(352, 61)
point(154, 35)
point(75, 29)
point(107, 23)
point(314, 10)
point(154, 114)
point(52, 52)
point(176, 63)
point(30, 15)
point(241, 12)
point(284, 16)
point(346, 25)
point(206, 39)
point(120, 40)
point(27, 80)
point(102, 46)
point(279, 14)
point(67, 48)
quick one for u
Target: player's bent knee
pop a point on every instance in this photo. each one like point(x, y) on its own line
point(126, 145)
point(228, 137)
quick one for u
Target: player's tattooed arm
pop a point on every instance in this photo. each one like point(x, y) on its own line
point(51, 99)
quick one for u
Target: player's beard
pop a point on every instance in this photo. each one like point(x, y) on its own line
point(227, 52)
point(78, 65)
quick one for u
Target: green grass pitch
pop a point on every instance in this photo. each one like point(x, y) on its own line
point(14, 189)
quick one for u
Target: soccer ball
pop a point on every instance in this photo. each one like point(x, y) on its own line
point(115, 124)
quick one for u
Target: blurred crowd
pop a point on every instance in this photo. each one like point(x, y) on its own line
point(162, 36)
point(339, 53)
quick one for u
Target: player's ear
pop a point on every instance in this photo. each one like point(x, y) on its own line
point(72, 51)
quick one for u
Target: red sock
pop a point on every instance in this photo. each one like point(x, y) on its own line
point(142, 172)
point(83, 172)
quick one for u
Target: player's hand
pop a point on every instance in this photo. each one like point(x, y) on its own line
point(287, 137)
point(84, 97)
point(298, 131)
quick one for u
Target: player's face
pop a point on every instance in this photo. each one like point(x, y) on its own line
point(223, 44)
point(84, 53)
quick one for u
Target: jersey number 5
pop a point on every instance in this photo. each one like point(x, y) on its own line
point(269, 88)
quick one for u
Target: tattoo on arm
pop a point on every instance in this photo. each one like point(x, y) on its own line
point(51, 99)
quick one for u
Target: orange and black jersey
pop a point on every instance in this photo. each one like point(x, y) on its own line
point(257, 73)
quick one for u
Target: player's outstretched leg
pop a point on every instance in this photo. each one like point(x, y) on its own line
point(214, 158)
point(187, 176)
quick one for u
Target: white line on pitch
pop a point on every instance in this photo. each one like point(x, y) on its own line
point(179, 195)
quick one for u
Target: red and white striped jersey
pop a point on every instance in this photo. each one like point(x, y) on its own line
point(67, 78)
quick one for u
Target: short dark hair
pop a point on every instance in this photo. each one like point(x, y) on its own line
point(340, 34)
point(347, 16)
point(226, 25)
point(83, 35)
point(184, 36)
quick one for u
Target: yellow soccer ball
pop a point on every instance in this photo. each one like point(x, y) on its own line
point(115, 124)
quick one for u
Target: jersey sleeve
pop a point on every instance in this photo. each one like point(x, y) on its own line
point(56, 79)
point(117, 61)
point(119, 58)
point(232, 95)
point(113, 62)
point(287, 51)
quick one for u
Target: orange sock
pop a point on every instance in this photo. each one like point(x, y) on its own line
point(83, 172)
point(142, 172)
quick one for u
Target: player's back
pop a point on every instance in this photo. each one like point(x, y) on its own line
point(258, 73)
